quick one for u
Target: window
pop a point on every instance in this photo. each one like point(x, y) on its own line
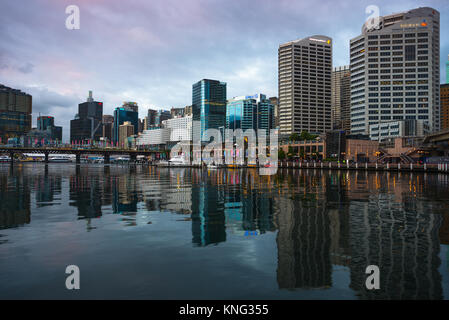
point(410, 53)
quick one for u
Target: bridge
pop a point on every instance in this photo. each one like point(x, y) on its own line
point(105, 152)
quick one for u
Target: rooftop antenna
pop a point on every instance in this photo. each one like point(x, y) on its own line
point(90, 99)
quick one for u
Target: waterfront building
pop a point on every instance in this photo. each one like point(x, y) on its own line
point(108, 123)
point(250, 112)
point(154, 137)
point(208, 106)
point(87, 123)
point(47, 124)
point(395, 70)
point(304, 80)
point(444, 99)
point(123, 114)
point(400, 128)
point(15, 113)
point(341, 98)
point(180, 128)
point(125, 130)
point(275, 102)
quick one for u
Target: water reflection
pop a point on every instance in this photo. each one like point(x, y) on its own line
point(319, 219)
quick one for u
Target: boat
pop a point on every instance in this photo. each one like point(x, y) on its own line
point(178, 161)
point(5, 159)
point(212, 166)
point(162, 163)
point(59, 158)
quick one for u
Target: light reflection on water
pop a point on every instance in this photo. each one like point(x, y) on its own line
point(145, 232)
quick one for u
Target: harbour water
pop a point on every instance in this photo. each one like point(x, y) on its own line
point(182, 233)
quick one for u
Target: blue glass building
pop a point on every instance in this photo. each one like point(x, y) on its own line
point(250, 112)
point(122, 114)
point(209, 105)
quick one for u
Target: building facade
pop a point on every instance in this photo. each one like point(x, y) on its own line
point(15, 113)
point(341, 98)
point(444, 100)
point(154, 137)
point(87, 123)
point(47, 124)
point(399, 128)
point(121, 115)
point(125, 130)
point(108, 124)
point(208, 106)
point(304, 82)
point(180, 128)
point(250, 112)
point(395, 70)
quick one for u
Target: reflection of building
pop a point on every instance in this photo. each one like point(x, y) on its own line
point(208, 219)
point(87, 123)
point(15, 201)
point(303, 244)
point(305, 68)
point(208, 105)
point(15, 113)
point(86, 195)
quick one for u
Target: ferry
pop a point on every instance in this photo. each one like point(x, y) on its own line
point(178, 161)
point(59, 158)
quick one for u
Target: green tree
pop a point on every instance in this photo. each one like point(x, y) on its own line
point(294, 137)
point(281, 154)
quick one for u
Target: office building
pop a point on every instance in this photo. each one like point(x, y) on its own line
point(180, 128)
point(395, 71)
point(444, 100)
point(121, 115)
point(161, 115)
point(208, 106)
point(47, 124)
point(108, 124)
point(87, 123)
point(131, 106)
point(125, 130)
point(250, 112)
point(15, 113)
point(304, 80)
point(399, 128)
point(150, 120)
point(275, 102)
point(341, 98)
point(154, 137)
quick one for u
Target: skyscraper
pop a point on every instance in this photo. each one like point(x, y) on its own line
point(15, 113)
point(47, 123)
point(275, 102)
point(444, 96)
point(208, 105)
point(123, 114)
point(395, 70)
point(87, 123)
point(341, 98)
point(304, 80)
point(108, 123)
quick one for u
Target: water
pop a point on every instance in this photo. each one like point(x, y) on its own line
point(152, 233)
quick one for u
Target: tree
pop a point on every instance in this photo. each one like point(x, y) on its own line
point(307, 136)
point(281, 154)
point(294, 137)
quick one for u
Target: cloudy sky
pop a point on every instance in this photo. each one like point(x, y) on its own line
point(152, 51)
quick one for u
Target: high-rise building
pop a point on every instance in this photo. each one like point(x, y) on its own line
point(447, 70)
point(161, 115)
point(250, 112)
point(208, 106)
point(125, 130)
point(150, 120)
point(87, 123)
point(131, 106)
point(341, 98)
point(177, 112)
point(395, 70)
point(121, 115)
point(47, 124)
point(180, 128)
point(108, 124)
point(15, 113)
point(304, 80)
point(444, 99)
point(275, 102)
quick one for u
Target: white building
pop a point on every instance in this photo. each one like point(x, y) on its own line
point(154, 137)
point(395, 70)
point(400, 128)
point(181, 128)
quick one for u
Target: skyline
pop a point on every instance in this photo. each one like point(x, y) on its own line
point(155, 58)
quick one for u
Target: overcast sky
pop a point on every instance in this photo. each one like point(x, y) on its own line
point(153, 51)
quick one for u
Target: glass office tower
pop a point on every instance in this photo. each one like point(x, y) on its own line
point(208, 105)
point(250, 112)
point(121, 115)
